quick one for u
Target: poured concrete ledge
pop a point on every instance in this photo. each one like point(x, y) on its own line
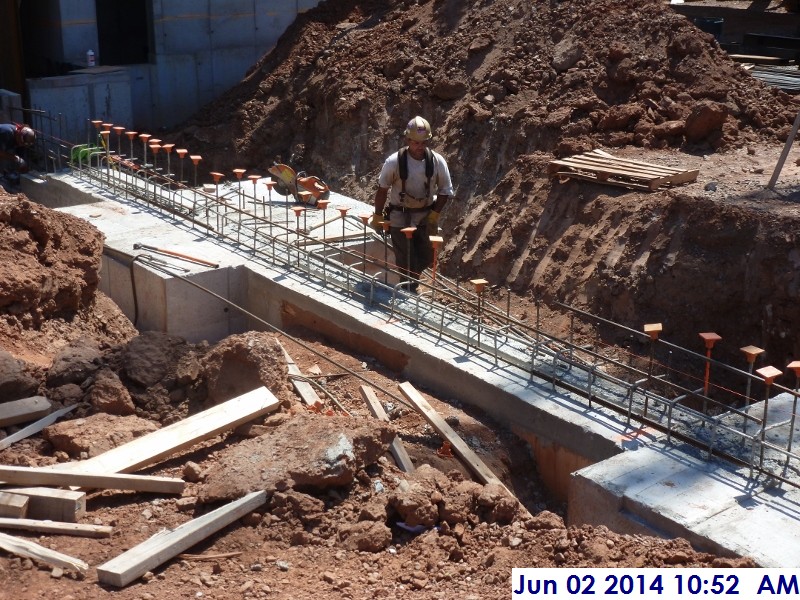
point(668, 491)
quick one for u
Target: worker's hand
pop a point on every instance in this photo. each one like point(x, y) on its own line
point(21, 166)
point(376, 221)
point(433, 221)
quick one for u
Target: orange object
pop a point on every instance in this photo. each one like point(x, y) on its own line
point(446, 450)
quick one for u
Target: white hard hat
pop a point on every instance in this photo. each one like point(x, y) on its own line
point(418, 129)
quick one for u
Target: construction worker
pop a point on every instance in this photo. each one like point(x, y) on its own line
point(413, 187)
point(14, 141)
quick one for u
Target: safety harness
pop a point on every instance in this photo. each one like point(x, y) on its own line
point(402, 163)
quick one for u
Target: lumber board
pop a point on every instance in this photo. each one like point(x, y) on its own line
point(304, 389)
point(74, 529)
point(397, 449)
point(623, 163)
point(35, 427)
point(27, 409)
point(602, 166)
point(35, 551)
point(170, 440)
point(166, 544)
point(137, 483)
point(459, 446)
point(14, 506)
point(49, 504)
point(626, 184)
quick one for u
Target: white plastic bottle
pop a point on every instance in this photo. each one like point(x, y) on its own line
point(90, 62)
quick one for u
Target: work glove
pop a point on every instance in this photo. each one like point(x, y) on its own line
point(433, 221)
point(375, 222)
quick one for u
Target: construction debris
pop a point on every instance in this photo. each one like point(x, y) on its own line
point(602, 167)
point(134, 563)
point(35, 551)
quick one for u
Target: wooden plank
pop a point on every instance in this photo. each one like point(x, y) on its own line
point(397, 449)
point(166, 544)
point(137, 483)
point(604, 167)
point(635, 166)
point(14, 506)
point(27, 409)
point(169, 440)
point(626, 184)
point(50, 504)
point(460, 447)
point(75, 529)
point(304, 389)
point(35, 551)
point(35, 427)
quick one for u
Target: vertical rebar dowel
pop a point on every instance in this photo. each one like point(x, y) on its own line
point(436, 242)
point(385, 225)
point(409, 233)
point(651, 329)
point(794, 366)
point(118, 130)
point(479, 284)
point(751, 353)
point(239, 173)
point(168, 151)
point(342, 211)
point(364, 220)
point(709, 338)
point(181, 152)
point(769, 374)
point(217, 177)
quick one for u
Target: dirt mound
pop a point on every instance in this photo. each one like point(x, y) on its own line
point(509, 86)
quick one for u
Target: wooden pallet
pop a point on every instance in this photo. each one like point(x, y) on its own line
point(602, 167)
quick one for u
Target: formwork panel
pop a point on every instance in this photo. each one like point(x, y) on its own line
point(232, 24)
point(272, 19)
point(100, 94)
point(177, 72)
point(230, 66)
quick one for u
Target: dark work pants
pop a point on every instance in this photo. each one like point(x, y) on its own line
point(419, 247)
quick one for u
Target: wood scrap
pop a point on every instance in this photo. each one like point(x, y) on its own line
point(53, 504)
point(76, 529)
point(397, 449)
point(304, 389)
point(137, 483)
point(166, 544)
point(170, 440)
point(35, 427)
point(458, 445)
point(33, 550)
point(13, 505)
point(27, 409)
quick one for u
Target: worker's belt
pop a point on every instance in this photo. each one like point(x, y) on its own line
point(405, 209)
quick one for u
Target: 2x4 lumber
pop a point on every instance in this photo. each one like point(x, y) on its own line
point(166, 544)
point(35, 427)
point(33, 550)
point(49, 504)
point(137, 483)
point(396, 447)
point(75, 529)
point(27, 409)
point(14, 506)
point(170, 440)
point(459, 446)
point(304, 389)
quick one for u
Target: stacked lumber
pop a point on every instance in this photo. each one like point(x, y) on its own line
point(602, 167)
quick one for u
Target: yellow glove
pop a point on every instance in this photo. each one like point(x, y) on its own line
point(433, 220)
point(376, 221)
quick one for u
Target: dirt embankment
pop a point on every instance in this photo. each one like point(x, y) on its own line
point(511, 85)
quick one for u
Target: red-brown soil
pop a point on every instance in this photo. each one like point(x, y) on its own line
point(508, 86)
